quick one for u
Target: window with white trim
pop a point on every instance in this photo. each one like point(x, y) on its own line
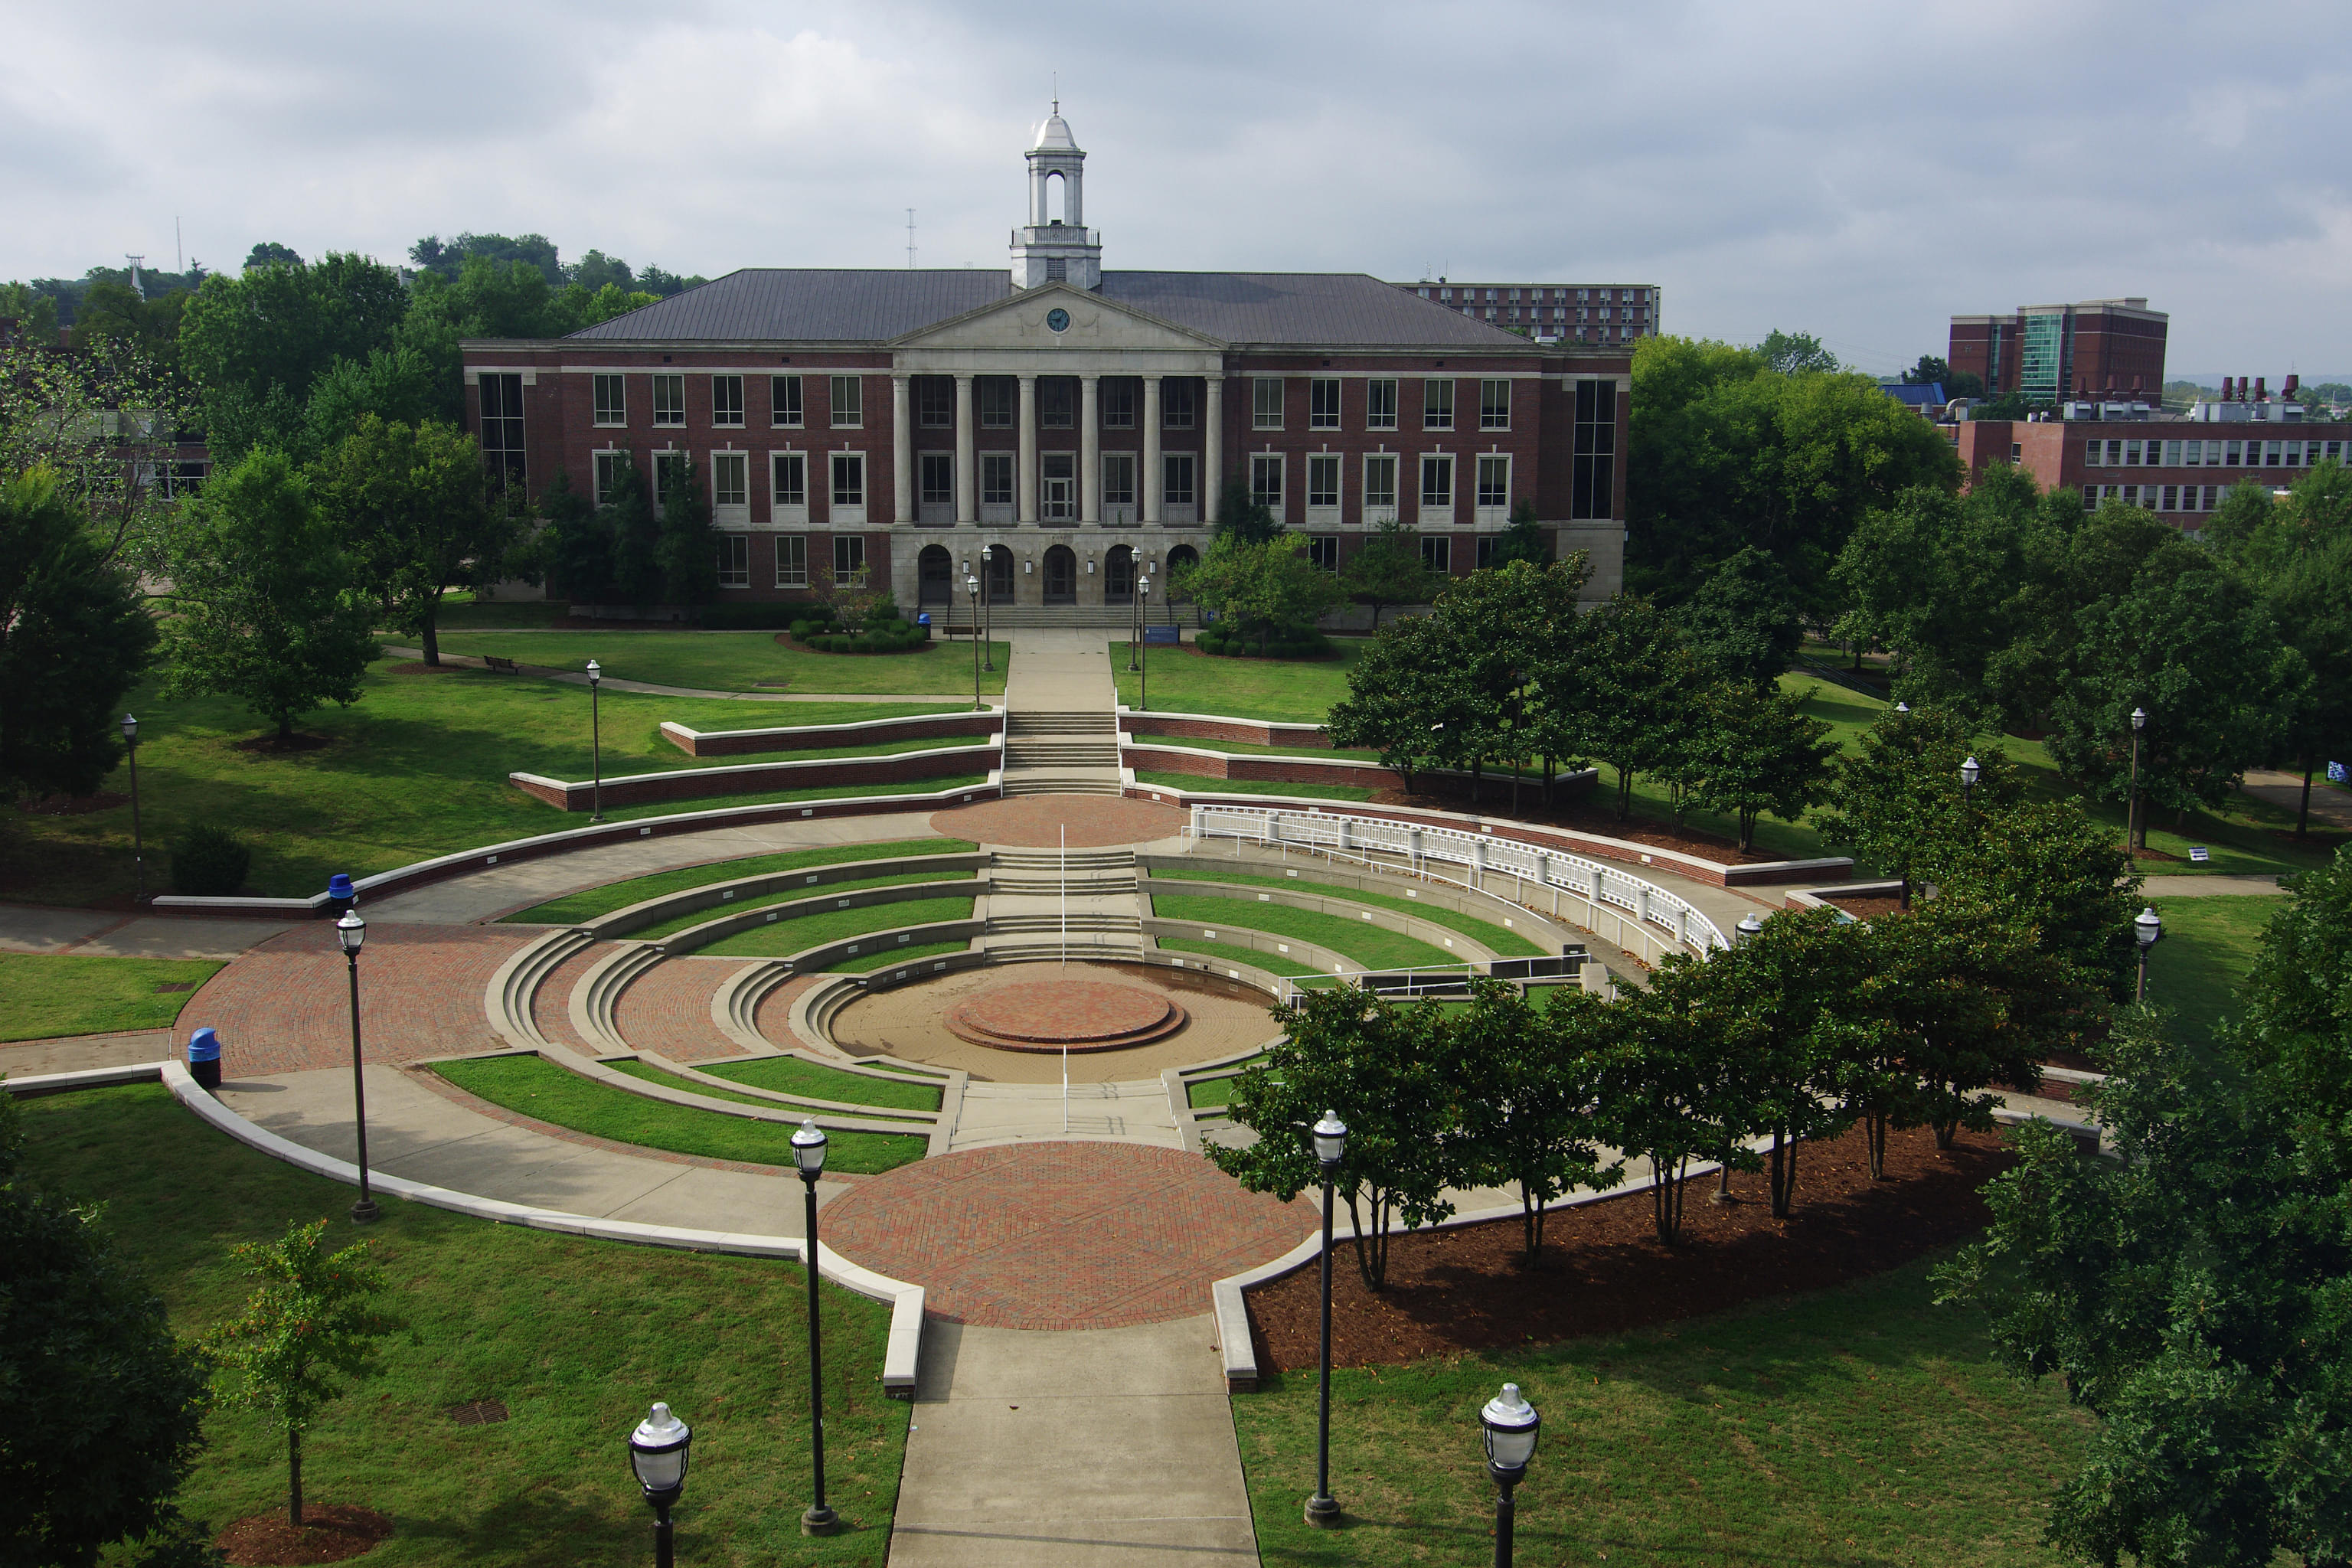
point(1177, 470)
point(938, 479)
point(1437, 553)
point(1265, 403)
point(1265, 481)
point(1379, 484)
point(1323, 479)
point(1436, 483)
point(1494, 404)
point(1323, 403)
point(607, 476)
point(996, 479)
point(669, 400)
point(997, 396)
point(1117, 480)
point(1437, 405)
point(849, 478)
point(669, 468)
point(730, 480)
point(1323, 551)
point(611, 396)
point(784, 402)
point(1176, 403)
point(935, 401)
point(1380, 404)
point(1057, 402)
point(734, 560)
point(791, 561)
point(1116, 396)
point(1494, 487)
point(848, 560)
point(788, 479)
point(727, 400)
point(848, 402)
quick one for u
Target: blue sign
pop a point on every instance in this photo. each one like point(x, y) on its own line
point(1155, 636)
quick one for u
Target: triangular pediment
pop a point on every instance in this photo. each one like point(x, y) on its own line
point(1024, 321)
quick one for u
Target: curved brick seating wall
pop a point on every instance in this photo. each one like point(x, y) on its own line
point(1217, 727)
point(810, 737)
point(702, 784)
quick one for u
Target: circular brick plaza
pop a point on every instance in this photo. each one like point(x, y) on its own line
point(1063, 1235)
point(1065, 1015)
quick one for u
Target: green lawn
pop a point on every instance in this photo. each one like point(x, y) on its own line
point(1367, 944)
point(1250, 786)
point(416, 768)
point(1862, 1425)
point(790, 1075)
point(1251, 749)
point(790, 895)
point(1508, 943)
point(590, 902)
point(46, 994)
point(1227, 952)
point(740, 661)
point(461, 611)
point(537, 1087)
point(2209, 944)
point(1185, 680)
point(575, 1337)
point(865, 962)
point(655, 1075)
point(787, 937)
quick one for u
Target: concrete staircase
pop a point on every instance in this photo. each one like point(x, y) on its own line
point(1028, 903)
point(1061, 753)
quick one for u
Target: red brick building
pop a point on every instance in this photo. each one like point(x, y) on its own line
point(2098, 347)
point(1052, 432)
point(1572, 313)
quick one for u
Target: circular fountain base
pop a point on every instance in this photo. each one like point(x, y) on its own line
point(1058, 1015)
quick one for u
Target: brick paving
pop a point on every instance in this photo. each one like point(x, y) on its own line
point(1035, 821)
point(551, 1004)
point(1063, 1235)
point(667, 1009)
point(1084, 1014)
point(286, 1006)
point(774, 1017)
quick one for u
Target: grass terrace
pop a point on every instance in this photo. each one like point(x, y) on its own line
point(1186, 680)
point(1154, 779)
point(553, 1327)
point(1367, 944)
point(590, 902)
point(1506, 944)
point(786, 937)
point(793, 1074)
point(536, 1088)
point(647, 1073)
point(743, 661)
point(1227, 952)
point(676, 924)
point(46, 994)
point(1252, 749)
point(867, 962)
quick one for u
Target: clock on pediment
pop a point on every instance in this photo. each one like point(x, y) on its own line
point(1058, 319)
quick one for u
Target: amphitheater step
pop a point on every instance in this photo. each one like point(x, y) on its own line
point(1061, 786)
point(1076, 922)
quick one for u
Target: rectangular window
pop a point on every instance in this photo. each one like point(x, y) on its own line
point(849, 478)
point(1380, 404)
point(2090, 498)
point(791, 561)
point(1178, 470)
point(1265, 403)
point(1379, 484)
point(2192, 454)
point(2172, 454)
point(669, 468)
point(734, 560)
point(1436, 483)
point(669, 400)
point(611, 396)
point(1054, 411)
point(2171, 498)
point(1176, 403)
point(788, 479)
point(1592, 476)
point(731, 481)
point(996, 479)
point(1323, 479)
point(2233, 455)
point(1118, 395)
point(2295, 454)
point(2131, 454)
point(1058, 487)
point(935, 401)
point(1323, 403)
point(1494, 405)
point(1119, 483)
point(727, 400)
point(784, 402)
point(939, 478)
point(1437, 553)
point(501, 432)
point(608, 475)
point(2115, 454)
point(996, 395)
point(1437, 405)
point(848, 402)
point(2092, 452)
point(2270, 454)
point(848, 560)
point(1323, 550)
point(1493, 484)
point(1266, 482)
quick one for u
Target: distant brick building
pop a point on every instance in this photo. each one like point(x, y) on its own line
point(2095, 348)
point(1053, 431)
point(1565, 312)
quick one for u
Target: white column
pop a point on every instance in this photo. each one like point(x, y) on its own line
point(967, 485)
point(1149, 477)
point(1213, 450)
point(1025, 504)
point(902, 454)
point(1090, 449)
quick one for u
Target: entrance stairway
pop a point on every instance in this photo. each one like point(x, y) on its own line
point(1061, 753)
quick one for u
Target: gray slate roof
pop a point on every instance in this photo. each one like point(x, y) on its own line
point(876, 305)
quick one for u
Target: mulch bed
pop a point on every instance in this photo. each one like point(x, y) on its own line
point(328, 1534)
point(1868, 908)
point(1604, 1272)
point(73, 804)
point(2156, 855)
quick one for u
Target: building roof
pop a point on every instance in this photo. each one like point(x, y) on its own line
point(1332, 309)
point(1054, 136)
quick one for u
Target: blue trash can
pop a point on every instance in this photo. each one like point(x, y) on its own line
point(340, 896)
point(924, 621)
point(203, 1059)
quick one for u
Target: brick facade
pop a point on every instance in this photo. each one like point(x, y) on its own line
point(2147, 462)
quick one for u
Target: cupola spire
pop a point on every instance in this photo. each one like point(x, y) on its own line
point(1056, 246)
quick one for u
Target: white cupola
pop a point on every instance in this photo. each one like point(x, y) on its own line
point(1056, 246)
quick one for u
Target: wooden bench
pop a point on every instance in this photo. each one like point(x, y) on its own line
point(503, 666)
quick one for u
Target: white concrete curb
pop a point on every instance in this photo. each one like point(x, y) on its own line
point(86, 1078)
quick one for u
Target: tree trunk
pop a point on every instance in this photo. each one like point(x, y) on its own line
point(1746, 831)
point(1551, 777)
point(1624, 791)
point(1531, 1218)
point(1904, 901)
point(1376, 617)
point(2303, 812)
point(294, 1477)
point(1873, 1138)
point(1784, 1173)
point(1478, 767)
point(1666, 1197)
point(432, 638)
point(285, 729)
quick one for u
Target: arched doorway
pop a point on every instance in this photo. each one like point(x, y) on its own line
point(1119, 575)
point(1000, 575)
point(934, 576)
point(1061, 575)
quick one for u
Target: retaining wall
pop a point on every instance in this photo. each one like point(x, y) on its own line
point(812, 737)
point(701, 783)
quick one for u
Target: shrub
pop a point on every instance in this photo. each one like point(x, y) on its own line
point(209, 861)
point(1227, 640)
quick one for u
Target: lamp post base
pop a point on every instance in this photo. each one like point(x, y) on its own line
point(1323, 1512)
point(819, 1522)
point(364, 1212)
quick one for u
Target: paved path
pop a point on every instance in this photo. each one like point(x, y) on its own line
point(2331, 805)
point(106, 933)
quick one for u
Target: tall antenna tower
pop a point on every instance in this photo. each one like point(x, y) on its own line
point(910, 239)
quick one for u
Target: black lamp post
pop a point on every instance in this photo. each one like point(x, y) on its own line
point(1510, 1426)
point(596, 737)
point(658, 1453)
point(1969, 771)
point(1143, 636)
point(988, 607)
point(137, 839)
point(2147, 929)
point(2131, 810)
point(808, 1155)
point(352, 931)
point(1331, 1139)
point(972, 587)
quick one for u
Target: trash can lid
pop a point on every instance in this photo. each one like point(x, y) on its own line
point(923, 619)
point(203, 1046)
point(339, 885)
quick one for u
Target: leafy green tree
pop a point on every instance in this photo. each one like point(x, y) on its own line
point(1504, 625)
point(1760, 751)
point(1635, 696)
point(1265, 583)
point(1931, 368)
point(36, 313)
point(309, 1329)
point(1895, 801)
point(101, 1406)
point(1521, 539)
point(2047, 865)
point(255, 343)
point(1388, 570)
point(2296, 1023)
point(687, 547)
point(394, 386)
point(575, 549)
point(85, 417)
point(266, 600)
point(1672, 1091)
point(1404, 696)
point(1378, 1066)
point(1240, 512)
point(413, 505)
point(1742, 624)
point(113, 313)
point(1795, 353)
point(628, 515)
point(75, 636)
point(269, 253)
point(1529, 1082)
point(533, 250)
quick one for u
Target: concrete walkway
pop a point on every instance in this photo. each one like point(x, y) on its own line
point(2331, 805)
point(107, 933)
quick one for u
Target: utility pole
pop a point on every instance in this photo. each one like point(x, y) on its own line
point(910, 239)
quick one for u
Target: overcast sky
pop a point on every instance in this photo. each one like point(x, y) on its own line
point(1860, 171)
